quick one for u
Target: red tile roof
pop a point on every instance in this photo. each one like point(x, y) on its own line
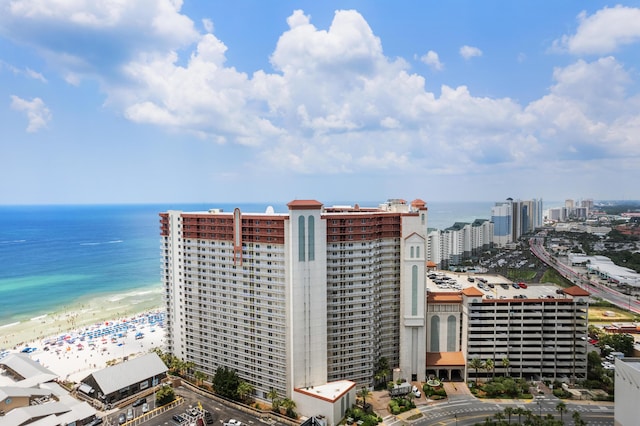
point(472, 291)
point(304, 205)
point(444, 297)
point(576, 291)
point(444, 359)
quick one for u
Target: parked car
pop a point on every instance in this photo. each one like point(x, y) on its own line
point(138, 402)
point(208, 418)
point(145, 407)
point(178, 418)
point(417, 394)
point(130, 414)
point(122, 419)
point(522, 285)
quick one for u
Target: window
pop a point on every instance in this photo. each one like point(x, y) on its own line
point(312, 237)
point(414, 290)
point(435, 334)
point(451, 333)
point(301, 254)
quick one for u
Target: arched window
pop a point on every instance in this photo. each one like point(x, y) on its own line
point(412, 252)
point(301, 239)
point(414, 290)
point(418, 252)
point(312, 238)
point(451, 333)
point(435, 334)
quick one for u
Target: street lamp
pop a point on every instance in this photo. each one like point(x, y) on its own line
point(456, 416)
point(539, 408)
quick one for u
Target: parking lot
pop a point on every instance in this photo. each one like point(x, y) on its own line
point(191, 411)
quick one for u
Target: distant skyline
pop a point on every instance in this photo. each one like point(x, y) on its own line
point(156, 101)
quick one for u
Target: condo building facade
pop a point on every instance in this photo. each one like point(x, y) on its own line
point(299, 299)
point(317, 295)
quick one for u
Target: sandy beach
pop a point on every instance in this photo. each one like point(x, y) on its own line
point(90, 334)
point(80, 314)
point(75, 354)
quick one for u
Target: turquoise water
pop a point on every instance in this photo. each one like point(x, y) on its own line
point(54, 256)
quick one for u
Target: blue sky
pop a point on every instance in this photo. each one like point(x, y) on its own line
point(252, 101)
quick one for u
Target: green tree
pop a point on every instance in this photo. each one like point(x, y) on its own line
point(364, 394)
point(225, 382)
point(200, 377)
point(275, 401)
point(245, 390)
point(165, 395)
point(289, 405)
point(505, 364)
point(508, 412)
point(490, 365)
point(562, 408)
point(476, 364)
point(577, 420)
point(519, 411)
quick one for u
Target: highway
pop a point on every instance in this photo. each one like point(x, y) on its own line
point(587, 282)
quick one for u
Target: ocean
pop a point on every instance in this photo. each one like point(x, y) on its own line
point(54, 257)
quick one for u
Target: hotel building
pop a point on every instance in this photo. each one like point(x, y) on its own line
point(295, 300)
point(318, 295)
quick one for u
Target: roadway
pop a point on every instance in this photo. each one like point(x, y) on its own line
point(587, 282)
point(221, 413)
point(468, 411)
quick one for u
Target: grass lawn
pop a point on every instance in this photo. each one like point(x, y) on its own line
point(552, 276)
point(597, 314)
point(521, 275)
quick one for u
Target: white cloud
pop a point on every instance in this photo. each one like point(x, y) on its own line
point(208, 25)
point(468, 52)
point(432, 60)
point(112, 32)
point(335, 103)
point(27, 71)
point(35, 75)
point(37, 112)
point(603, 32)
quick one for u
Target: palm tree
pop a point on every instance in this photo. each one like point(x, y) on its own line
point(489, 365)
point(505, 364)
point(519, 411)
point(577, 420)
point(561, 407)
point(476, 364)
point(245, 389)
point(275, 402)
point(289, 405)
point(364, 393)
point(498, 416)
point(509, 411)
point(200, 377)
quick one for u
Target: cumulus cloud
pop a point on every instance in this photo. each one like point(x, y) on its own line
point(334, 102)
point(37, 112)
point(468, 52)
point(85, 38)
point(432, 60)
point(603, 32)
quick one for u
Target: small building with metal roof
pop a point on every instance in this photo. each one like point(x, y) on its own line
point(120, 381)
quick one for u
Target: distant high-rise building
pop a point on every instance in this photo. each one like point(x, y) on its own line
point(502, 218)
point(569, 204)
point(514, 218)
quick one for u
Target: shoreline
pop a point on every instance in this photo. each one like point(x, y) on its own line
point(83, 312)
